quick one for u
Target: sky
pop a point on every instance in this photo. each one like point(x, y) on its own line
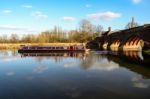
point(33, 16)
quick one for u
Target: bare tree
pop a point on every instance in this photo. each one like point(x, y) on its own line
point(131, 24)
point(14, 38)
point(85, 26)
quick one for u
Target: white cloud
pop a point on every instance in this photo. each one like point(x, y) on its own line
point(88, 5)
point(136, 1)
point(27, 6)
point(104, 15)
point(69, 18)
point(16, 28)
point(39, 15)
point(7, 11)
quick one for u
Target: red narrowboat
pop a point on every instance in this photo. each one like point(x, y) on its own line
point(74, 48)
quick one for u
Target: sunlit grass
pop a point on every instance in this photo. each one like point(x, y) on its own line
point(17, 45)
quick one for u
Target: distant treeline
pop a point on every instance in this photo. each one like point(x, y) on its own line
point(85, 32)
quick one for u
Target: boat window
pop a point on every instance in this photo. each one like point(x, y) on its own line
point(25, 47)
point(44, 47)
point(32, 48)
point(61, 48)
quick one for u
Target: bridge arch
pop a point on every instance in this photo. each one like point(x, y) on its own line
point(133, 44)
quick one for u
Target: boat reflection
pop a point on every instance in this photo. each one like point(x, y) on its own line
point(57, 57)
point(71, 54)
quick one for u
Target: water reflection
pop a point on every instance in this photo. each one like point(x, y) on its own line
point(58, 57)
point(129, 56)
point(138, 82)
point(135, 61)
point(102, 60)
point(8, 56)
point(98, 62)
point(40, 69)
point(134, 55)
point(69, 54)
point(11, 73)
point(94, 75)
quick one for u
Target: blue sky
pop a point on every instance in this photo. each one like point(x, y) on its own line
point(33, 16)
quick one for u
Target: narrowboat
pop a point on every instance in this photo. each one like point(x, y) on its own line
point(30, 49)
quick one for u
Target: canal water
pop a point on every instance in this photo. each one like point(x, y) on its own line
point(93, 75)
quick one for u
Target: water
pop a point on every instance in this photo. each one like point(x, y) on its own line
point(91, 75)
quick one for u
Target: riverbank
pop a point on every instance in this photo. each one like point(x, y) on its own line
point(17, 45)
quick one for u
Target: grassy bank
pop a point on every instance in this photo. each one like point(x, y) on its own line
point(17, 45)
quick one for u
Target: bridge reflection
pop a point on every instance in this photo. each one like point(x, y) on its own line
point(138, 62)
point(133, 57)
point(138, 56)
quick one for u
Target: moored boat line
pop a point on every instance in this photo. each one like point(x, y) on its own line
point(28, 49)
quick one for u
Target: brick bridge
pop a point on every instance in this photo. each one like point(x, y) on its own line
point(134, 39)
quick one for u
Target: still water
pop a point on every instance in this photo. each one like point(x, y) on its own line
point(94, 75)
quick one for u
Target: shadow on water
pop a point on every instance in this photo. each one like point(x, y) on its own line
point(135, 57)
point(135, 61)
